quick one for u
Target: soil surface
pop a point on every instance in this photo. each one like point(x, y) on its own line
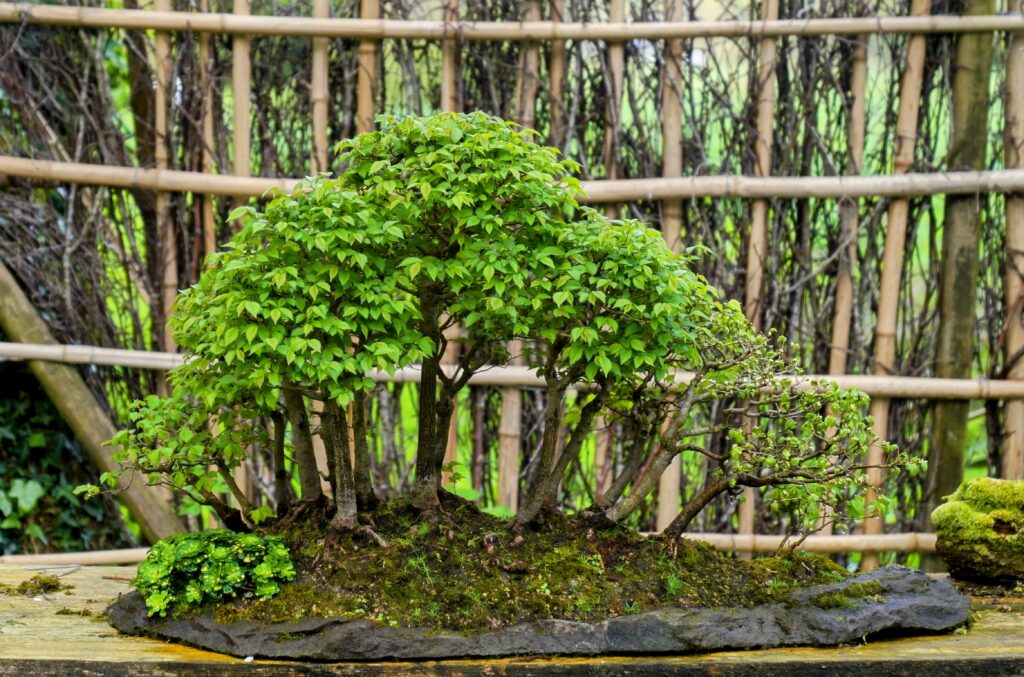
point(467, 571)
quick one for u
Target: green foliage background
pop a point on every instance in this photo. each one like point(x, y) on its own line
point(40, 464)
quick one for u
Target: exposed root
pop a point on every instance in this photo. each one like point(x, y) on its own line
point(373, 535)
point(300, 512)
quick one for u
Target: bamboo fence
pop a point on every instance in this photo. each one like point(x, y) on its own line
point(672, 189)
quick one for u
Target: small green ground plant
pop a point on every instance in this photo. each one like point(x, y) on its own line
point(462, 221)
point(192, 571)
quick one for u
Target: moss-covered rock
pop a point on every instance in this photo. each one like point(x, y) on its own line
point(980, 530)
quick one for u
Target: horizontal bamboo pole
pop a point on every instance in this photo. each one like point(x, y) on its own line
point(621, 190)
point(909, 542)
point(88, 17)
point(526, 377)
point(168, 180)
point(72, 354)
point(91, 557)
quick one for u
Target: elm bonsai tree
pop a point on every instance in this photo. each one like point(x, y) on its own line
point(462, 220)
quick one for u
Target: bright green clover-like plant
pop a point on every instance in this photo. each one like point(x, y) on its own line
point(462, 221)
point(194, 570)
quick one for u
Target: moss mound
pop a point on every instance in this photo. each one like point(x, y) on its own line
point(40, 584)
point(469, 572)
point(980, 530)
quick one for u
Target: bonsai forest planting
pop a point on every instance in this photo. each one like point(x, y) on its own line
point(462, 229)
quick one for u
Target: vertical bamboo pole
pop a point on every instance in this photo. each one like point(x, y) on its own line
point(510, 425)
point(1013, 443)
point(759, 209)
point(369, 67)
point(205, 62)
point(509, 445)
point(671, 215)
point(161, 154)
point(556, 79)
point(849, 211)
point(241, 88)
point(450, 104)
point(892, 258)
point(318, 92)
point(526, 83)
point(612, 132)
point(241, 76)
point(449, 48)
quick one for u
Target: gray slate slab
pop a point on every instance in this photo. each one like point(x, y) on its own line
point(911, 603)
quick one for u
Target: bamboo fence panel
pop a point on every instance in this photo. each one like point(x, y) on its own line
point(671, 217)
point(758, 244)
point(672, 188)
point(593, 192)
point(1013, 445)
point(892, 260)
point(369, 67)
point(318, 92)
point(381, 29)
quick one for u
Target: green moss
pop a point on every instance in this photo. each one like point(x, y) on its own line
point(849, 596)
point(36, 585)
point(980, 529)
point(469, 572)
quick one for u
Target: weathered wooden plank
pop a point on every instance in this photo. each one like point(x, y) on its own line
point(35, 640)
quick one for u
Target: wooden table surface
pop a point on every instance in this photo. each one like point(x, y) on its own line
point(36, 639)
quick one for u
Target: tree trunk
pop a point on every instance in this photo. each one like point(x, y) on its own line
point(335, 427)
point(428, 477)
point(694, 506)
point(634, 462)
point(302, 442)
point(549, 441)
point(282, 485)
point(958, 277)
point(365, 496)
point(546, 487)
